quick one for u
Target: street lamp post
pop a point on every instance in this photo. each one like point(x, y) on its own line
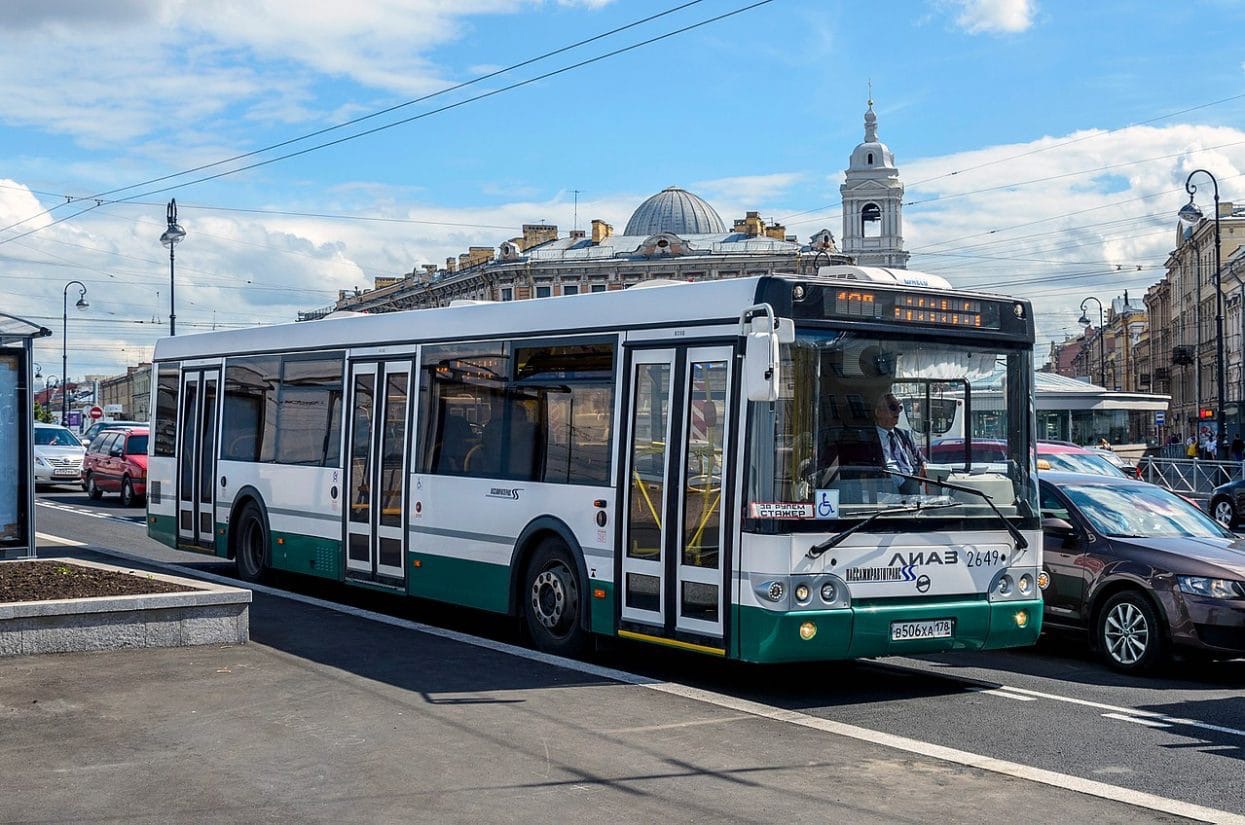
point(1191, 214)
point(171, 238)
point(81, 304)
point(1102, 341)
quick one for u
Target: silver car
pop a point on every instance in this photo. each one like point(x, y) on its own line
point(58, 455)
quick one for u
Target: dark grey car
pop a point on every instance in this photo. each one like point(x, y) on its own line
point(1139, 569)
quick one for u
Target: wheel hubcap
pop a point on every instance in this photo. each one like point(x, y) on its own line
point(1126, 633)
point(551, 594)
point(1223, 513)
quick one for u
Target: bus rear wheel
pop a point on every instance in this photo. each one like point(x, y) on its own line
point(553, 600)
point(251, 549)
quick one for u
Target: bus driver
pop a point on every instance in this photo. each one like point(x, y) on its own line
point(899, 450)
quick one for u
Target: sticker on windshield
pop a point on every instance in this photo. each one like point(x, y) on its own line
point(781, 509)
point(826, 504)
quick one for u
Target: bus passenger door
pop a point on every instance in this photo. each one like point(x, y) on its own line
point(376, 471)
point(196, 462)
point(674, 570)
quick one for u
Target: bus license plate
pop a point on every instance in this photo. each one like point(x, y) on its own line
point(936, 629)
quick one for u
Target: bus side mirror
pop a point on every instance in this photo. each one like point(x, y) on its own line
point(762, 373)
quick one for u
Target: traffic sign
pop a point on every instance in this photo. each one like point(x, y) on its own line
point(96, 413)
point(1158, 419)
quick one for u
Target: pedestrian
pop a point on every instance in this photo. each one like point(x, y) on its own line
point(1238, 448)
point(1190, 447)
point(1103, 444)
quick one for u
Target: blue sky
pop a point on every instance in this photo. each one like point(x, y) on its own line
point(1044, 144)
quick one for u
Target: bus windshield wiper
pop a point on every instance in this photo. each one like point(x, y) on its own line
point(1015, 533)
point(817, 549)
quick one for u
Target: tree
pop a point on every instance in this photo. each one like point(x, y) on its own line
point(42, 414)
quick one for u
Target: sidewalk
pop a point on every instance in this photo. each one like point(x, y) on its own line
point(328, 717)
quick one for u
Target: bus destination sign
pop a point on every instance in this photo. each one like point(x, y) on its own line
point(925, 308)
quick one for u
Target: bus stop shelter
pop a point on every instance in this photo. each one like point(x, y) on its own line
point(17, 457)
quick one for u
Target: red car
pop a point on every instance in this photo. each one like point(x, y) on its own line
point(116, 462)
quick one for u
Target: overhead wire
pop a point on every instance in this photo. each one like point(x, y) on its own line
point(448, 107)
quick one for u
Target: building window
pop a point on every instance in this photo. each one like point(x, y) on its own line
point(570, 289)
point(598, 287)
point(507, 294)
point(543, 291)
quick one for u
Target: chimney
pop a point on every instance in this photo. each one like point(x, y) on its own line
point(600, 230)
point(451, 265)
point(776, 231)
point(538, 233)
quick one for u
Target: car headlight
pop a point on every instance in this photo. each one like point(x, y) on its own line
point(1212, 588)
point(39, 460)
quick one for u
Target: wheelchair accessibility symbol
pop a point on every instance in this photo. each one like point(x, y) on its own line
point(827, 504)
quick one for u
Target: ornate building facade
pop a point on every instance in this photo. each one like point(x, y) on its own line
point(674, 234)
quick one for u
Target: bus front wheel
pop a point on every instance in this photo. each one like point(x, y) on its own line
point(553, 600)
point(251, 551)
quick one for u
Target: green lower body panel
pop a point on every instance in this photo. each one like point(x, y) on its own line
point(459, 581)
point(864, 631)
point(601, 610)
point(309, 555)
point(163, 529)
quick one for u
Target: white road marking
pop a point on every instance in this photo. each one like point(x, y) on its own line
point(1002, 692)
point(78, 511)
point(1158, 717)
point(1149, 723)
point(955, 756)
point(59, 540)
point(676, 725)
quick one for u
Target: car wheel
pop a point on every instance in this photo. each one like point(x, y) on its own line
point(1223, 512)
point(553, 600)
point(1129, 633)
point(128, 499)
point(251, 551)
point(92, 489)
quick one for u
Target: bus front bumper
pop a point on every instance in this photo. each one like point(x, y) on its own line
point(865, 629)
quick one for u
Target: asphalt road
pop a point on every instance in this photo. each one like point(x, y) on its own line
point(1179, 735)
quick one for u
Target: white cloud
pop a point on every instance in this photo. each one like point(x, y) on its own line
point(994, 16)
point(750, 189)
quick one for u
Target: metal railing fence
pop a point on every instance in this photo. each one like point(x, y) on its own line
point(1194, 476)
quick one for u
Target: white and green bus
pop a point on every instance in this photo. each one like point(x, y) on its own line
point(688, 464)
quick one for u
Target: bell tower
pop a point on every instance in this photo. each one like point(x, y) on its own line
point(873, 203)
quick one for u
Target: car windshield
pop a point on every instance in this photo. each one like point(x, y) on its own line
point(1141, 510)
point(1081, 463)
point(857, 411)
point(136, 445)
point(55, 437)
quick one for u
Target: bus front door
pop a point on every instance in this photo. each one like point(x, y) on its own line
point(376, 471)
point(196, 463)
point(675, 569)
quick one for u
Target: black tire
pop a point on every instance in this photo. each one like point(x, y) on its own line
point(128, 498)
point(1129, 633)
point(92, 490)
point(251, 544)
point(553, 600)
point(1223, 511)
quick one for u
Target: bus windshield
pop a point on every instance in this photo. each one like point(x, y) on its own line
point(860, 411)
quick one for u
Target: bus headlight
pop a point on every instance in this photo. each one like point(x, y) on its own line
point(828, 593)
point(1025, 584)
point(802, 593)
point(1004, 585)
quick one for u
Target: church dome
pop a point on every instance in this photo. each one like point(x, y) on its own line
point(873, 153)
point(677, 211)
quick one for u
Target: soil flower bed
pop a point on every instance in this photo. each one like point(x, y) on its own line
point(48, 580)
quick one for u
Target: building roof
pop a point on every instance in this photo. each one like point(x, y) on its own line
point(675, 210)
